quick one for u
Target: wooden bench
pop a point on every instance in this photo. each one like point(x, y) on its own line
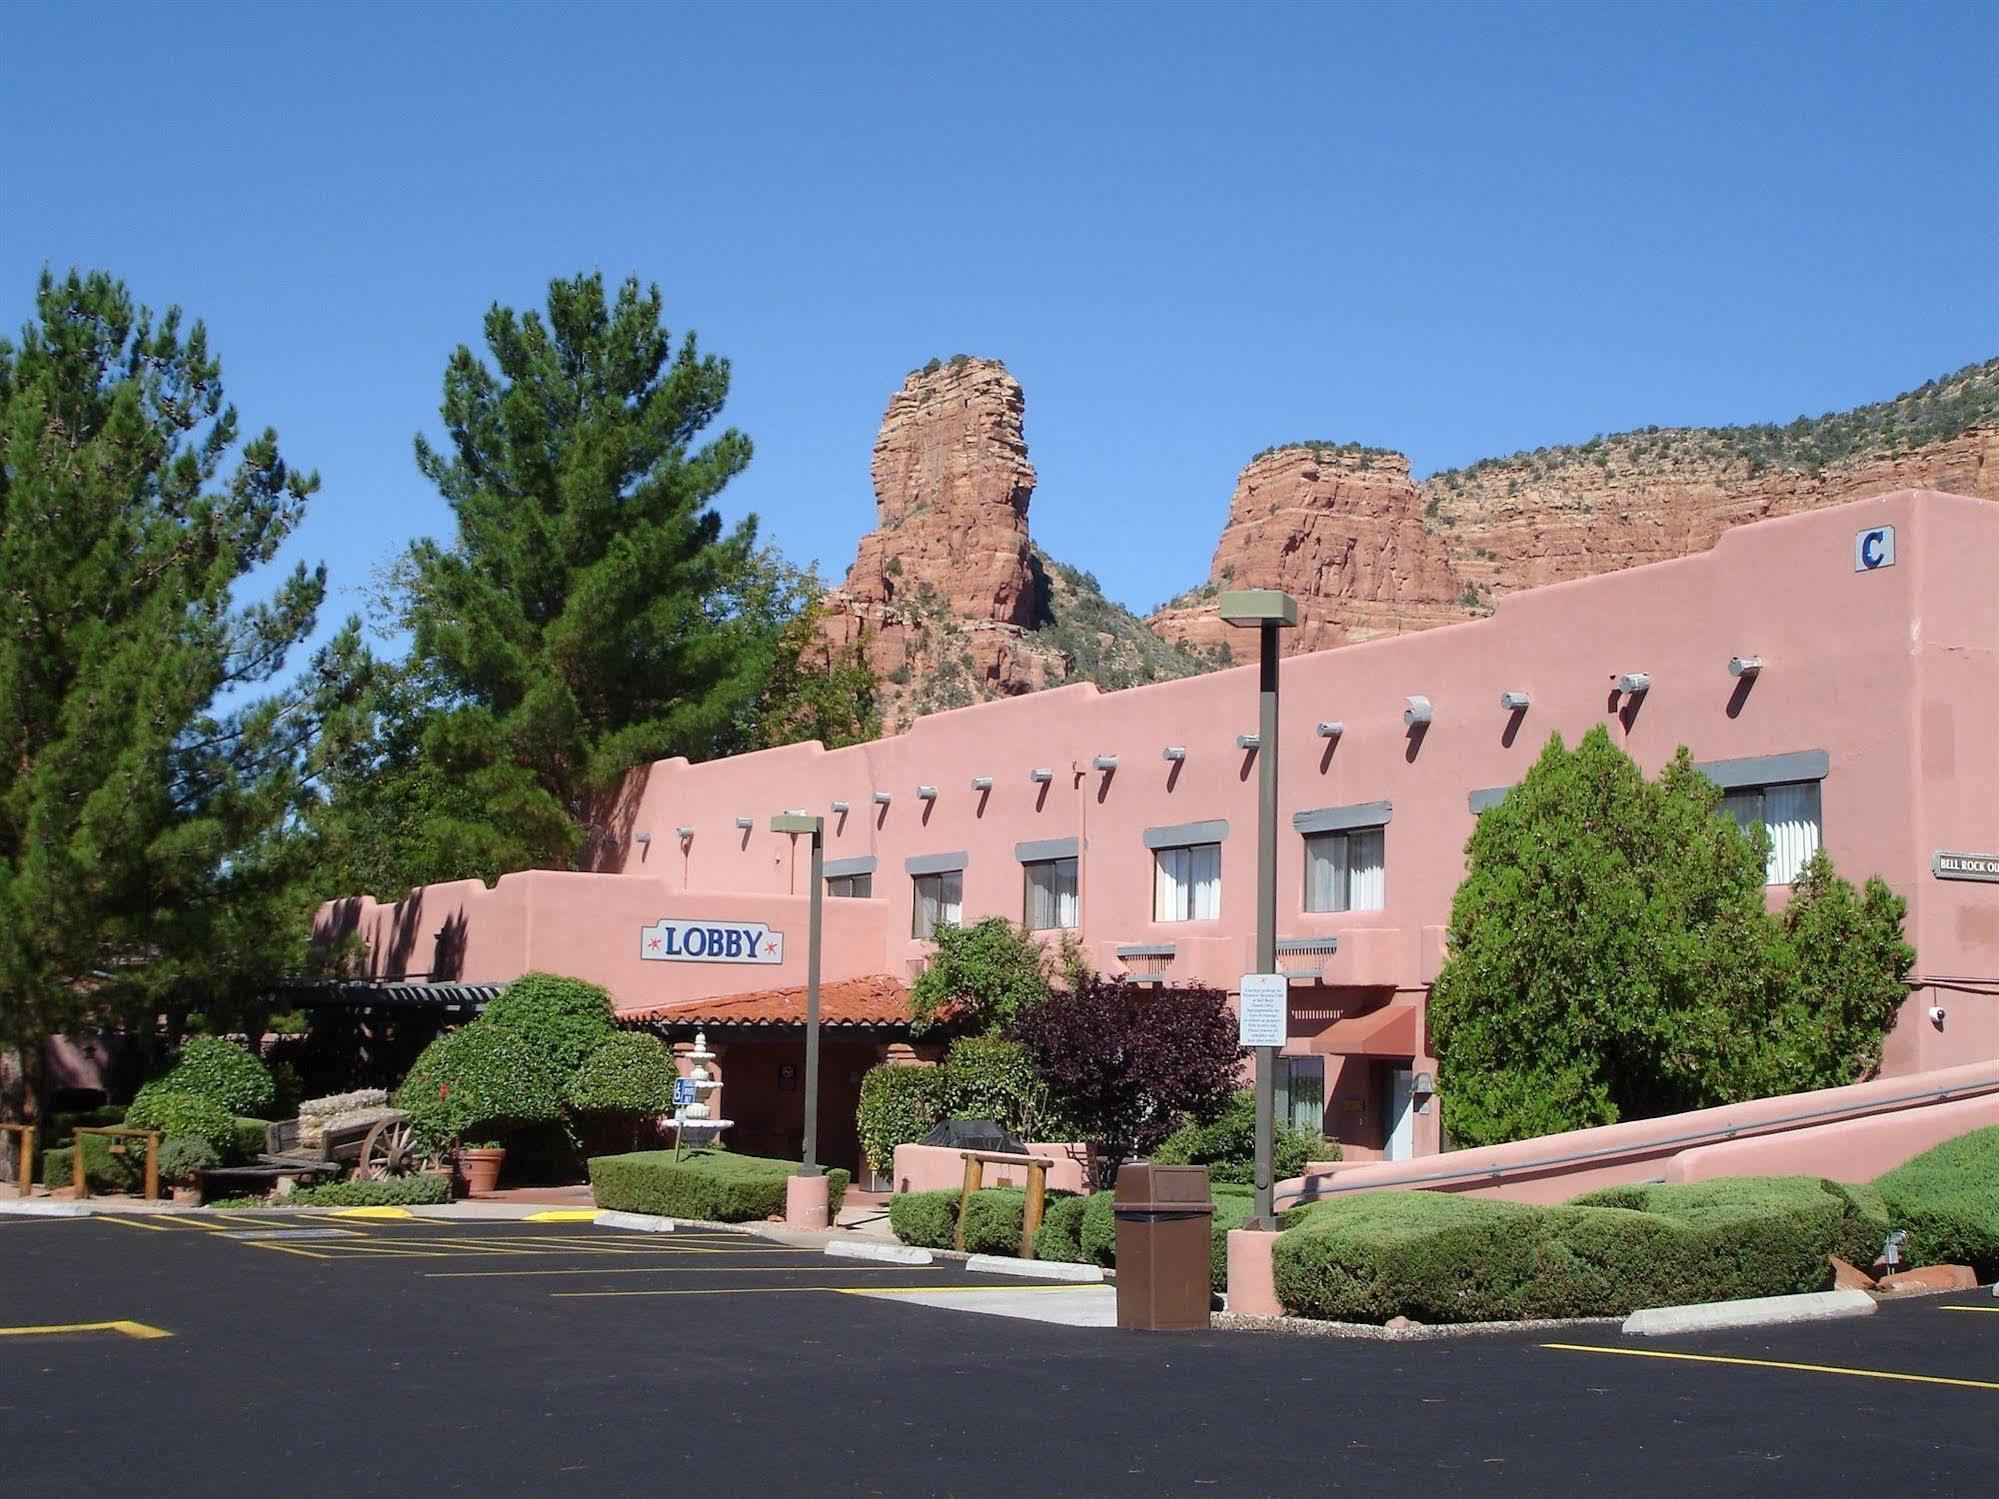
point(1037, 1166)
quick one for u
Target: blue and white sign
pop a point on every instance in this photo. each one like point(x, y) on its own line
point(1874, 549)
point(673, 940)
point(683, 1092)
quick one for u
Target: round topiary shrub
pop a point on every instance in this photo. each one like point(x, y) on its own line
point(183, 1157)
point(225, 1074)
point(566, 1019)
point(179, 1115)
point(630, 1072)
point(477, 1082)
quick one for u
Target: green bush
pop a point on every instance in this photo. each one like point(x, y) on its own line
point(631, 1072)
point(565, 1018)
point(1059, 1237)
point(173, 1114)
point(183, 1156)
point(1097, 1233)
point(1226, 1145)
point(988, 1077)
point(926, 1219)
point(225, 1074)
point(714, 1186)
point(102, 1171)
point(1233, 1208)
point(421, 1190)
point(899, 1106)
point(1947, 1199)
point(1441, 1258)
point(476, 1082)
point(993, 1220)
point(982, 977)
point(249, 1139)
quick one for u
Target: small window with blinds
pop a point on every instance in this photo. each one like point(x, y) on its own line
point(1187, 883)
point(939, 901)
point(1343, 871)
point(1791, 815)
point(850, 886)
point(1049, 901)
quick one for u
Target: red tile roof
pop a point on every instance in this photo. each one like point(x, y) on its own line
point(873, 1001)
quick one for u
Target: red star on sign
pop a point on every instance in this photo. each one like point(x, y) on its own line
point(770, 947)
point(654, 944)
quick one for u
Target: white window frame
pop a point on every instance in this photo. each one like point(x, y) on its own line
point(1062, 892)
point(1187, 882)
point(1371, 890)
point(1794, 839)
point(936, 900)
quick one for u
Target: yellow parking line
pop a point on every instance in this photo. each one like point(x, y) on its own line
point(382, 1215)
point(59, 1329)
point(708, 1291)
point(633, 1270)
point(1968, 1308)
point(1073, 1285)
point(1767, 1363)
point(125, 1222)
point(563, 1215)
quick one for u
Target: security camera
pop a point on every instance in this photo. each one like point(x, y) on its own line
point(1936, 1014)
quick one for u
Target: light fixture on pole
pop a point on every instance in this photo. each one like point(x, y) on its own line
point(1268, 610)
point(813, 827)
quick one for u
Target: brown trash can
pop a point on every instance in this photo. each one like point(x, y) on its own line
point(1165, 1224)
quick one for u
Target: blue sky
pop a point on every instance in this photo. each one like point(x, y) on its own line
point(1191, 231)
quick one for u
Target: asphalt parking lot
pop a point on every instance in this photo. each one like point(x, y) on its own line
point(563, 1358)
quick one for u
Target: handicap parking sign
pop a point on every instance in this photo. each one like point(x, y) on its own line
point(683, 1092)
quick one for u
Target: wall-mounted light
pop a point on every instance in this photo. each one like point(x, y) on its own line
point(746, 822)
point(686, 834)
point(926, 793)
point(1417, 713)
point(642, 838)
point(1744, 666)
point(839, 809)
point(1104, 762)
point(1174, 752)
point(1635, 682)
point(1515, 702)
point(1332, 730)
point(982, 783)
point(1424, 1083)
point(1041, 776)
point(1248, 741)
point(883, 798)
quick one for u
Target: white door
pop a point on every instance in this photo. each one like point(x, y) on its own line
point(1401, 1139)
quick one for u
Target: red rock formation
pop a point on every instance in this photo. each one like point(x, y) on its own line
point(1342, 530)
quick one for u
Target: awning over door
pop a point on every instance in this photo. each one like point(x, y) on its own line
point(1391, 1031)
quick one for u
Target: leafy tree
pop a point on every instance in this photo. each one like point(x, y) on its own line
point(1611, 957)
point(149, 850)
point(1226, 1144)
point(808, 689)
point(990, 1077)
point(1125, 1063)
point(982, 977)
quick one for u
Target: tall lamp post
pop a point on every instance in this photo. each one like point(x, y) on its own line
point(796, 823)
point(1269, 610)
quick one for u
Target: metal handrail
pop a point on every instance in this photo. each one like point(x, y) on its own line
point(1715, 1134)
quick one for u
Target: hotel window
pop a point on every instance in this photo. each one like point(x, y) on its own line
point(850, 886)
point(1187, 883)
point(1049, 900)
point(1791, 814)
point(1343, 871)
point(939, 901)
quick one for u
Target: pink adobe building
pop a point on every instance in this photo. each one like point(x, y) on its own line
point(1834, 671)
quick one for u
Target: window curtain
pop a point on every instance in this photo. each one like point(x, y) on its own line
point(1051, 894)
point(1791, 813)
point(1366, 887)
point(1187, 883)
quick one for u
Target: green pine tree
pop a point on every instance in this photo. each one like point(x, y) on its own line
point(149, 796)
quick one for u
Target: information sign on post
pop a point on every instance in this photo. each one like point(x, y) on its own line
point(683, 1092)
point(1264, 1011)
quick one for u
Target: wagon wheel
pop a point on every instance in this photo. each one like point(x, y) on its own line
point(389, 1149)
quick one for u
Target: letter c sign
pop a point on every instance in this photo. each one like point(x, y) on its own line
point(1874, 549)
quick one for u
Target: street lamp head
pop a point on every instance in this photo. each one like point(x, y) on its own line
point(796, 822)
point(1259, 606)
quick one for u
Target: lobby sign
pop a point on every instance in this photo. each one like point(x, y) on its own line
point(1264, 1012)
point(1949, 866)
point(692, 940)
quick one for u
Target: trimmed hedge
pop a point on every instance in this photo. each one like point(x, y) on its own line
point(928, 1220)
point(250, 1138)
point(397, 1192)
point(1948, 1200)
point(630, 1073)
point(102, 1171)
point(476, 1082)
point(1059, 1237)
point(1226, 1145)
point(711, 1185)
point(176, 1114)
point(183, 1156)
point(224, 1073)
point(899, 1106)
point(1440, 1258)
point(565, 1019)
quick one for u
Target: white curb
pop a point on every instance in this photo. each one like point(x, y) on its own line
point(644, 1223)
point(1000, 1264)
point(39, 1209)
point(1757, 1311)
point(895, 1254)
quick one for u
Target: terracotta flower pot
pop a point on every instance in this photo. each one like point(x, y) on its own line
point(481, 1168)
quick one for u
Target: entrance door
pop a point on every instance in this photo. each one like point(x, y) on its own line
point(1399, 1142)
